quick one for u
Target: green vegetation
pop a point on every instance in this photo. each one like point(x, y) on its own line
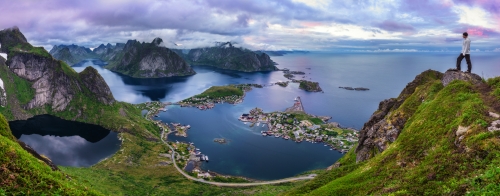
point(221, 91)
point(309, 86)
point(20, 87)
point(26, 48)
point(23, 174)
point(428, 158)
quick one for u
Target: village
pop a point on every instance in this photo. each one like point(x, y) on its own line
point(294, 124)
point(232, 94)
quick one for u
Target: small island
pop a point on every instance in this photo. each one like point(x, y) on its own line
point(220, 140)
point(232, 94)
point(303, 84)
point(282, 84)
point(309, 86)
point(356, 89)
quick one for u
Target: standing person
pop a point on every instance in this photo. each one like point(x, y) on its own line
point(465, 53)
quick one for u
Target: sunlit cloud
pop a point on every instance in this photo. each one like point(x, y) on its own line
point(259, 24)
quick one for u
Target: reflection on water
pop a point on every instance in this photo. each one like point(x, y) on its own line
point(66, 143)
point(249, 154)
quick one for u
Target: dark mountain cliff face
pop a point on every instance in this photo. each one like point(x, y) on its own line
point(53, 81)
point(71, 54)
point(148, 60)
point(226, 56)
point(65, 55)
point(108, 52)
point(385, 124)
point(52, 86)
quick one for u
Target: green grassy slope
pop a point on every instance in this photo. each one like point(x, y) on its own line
point(23, 174)
point(221, 91)
point(428, 158)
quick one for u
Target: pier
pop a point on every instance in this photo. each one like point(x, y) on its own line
point(297, 106)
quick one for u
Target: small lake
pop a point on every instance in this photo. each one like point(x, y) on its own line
point(66, 143)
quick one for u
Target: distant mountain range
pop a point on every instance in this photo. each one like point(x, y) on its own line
point(140, 60)
point(150, 60)
point(227, 56)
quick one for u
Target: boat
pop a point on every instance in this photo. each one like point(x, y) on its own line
point(325, 144)
point(188, 126)
point(331, 149)
point(263, 125)
point(197, 149)
point(258, 124)
point(206, 158)
point(264, 134)
point(276, 135)
point(245, 123)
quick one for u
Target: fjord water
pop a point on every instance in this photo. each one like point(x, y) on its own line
point(251, 155)
point(66, 143)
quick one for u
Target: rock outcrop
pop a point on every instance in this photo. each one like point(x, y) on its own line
point(3, 94)
point(52, 86)
point(96, 84)
point(453, 74)
point(149, 60)
point(385, 124)
point(54, 82)
point(227, 56)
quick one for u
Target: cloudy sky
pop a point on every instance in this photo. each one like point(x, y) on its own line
point(322, 25)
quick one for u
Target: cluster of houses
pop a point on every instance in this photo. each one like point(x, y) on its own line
point(286, 126)
point(206, 103)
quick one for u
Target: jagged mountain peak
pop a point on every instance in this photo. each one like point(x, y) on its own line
point(157, 41)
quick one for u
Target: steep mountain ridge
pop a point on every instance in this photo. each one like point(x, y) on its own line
point(108, 51)
point(431, 140)
point(42, 80)
point(148, 60)
point(227, 56)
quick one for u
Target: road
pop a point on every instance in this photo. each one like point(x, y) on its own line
point(229, 184)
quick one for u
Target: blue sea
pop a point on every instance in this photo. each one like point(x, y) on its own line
point(265, 158)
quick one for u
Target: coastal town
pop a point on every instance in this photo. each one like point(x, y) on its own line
point(294, 124)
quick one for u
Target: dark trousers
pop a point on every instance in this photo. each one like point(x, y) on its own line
point(467, 58)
